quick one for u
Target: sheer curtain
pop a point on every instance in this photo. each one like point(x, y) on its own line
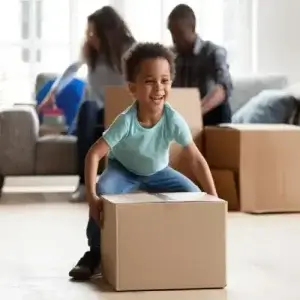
point(45, 35)
point(38, 36)
point(239, 34)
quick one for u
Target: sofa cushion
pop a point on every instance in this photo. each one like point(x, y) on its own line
point(245, 88)
point(270, 106)
point(56, 155)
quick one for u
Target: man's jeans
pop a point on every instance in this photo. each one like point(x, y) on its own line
point(117, 180)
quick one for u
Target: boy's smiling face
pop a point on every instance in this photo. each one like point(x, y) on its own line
point(152, 83)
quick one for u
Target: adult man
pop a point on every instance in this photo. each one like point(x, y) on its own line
point(201, 64)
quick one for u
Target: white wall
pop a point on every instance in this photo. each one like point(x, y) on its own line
point(278, 37)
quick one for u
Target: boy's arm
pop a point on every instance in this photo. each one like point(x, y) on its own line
point(92, 159)
point(195, 159)
point(200, 168)
point(111, 137)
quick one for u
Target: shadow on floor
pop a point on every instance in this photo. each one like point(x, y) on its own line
point(97, 284)
point(34, 198)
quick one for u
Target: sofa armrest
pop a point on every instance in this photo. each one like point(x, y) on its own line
point(56, 155)
point(19, 128)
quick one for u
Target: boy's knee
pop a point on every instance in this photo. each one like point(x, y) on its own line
point(189, 186)
point(194, 189)
point(106, 186)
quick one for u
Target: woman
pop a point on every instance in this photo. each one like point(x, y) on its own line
point(107, 38)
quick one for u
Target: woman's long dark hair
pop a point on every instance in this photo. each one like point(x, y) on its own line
point(114, 35)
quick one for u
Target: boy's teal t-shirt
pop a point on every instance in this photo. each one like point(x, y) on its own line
point(145, 151)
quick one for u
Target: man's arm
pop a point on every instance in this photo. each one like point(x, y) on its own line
point(222, 78)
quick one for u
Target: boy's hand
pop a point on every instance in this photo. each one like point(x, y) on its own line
point(95, 208)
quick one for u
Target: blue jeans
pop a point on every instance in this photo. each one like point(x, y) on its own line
point(118, 180)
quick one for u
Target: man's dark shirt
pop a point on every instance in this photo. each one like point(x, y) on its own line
point(205, 67)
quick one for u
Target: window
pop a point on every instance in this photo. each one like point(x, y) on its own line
point(52, 22)
point(144, 18)
point(46, 35)
point(51, 35)
point(14, 46)
point(15, 84)
point(238, 29)
point(43, 36)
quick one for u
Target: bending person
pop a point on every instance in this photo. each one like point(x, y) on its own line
point(107, 38)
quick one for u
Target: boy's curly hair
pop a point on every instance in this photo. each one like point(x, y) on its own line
point(141, 52)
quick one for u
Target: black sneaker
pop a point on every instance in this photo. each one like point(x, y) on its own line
point(86, 267)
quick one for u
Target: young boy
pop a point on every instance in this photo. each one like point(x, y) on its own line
point(138, 145)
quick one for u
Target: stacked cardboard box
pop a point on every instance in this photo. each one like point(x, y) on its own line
point(256, 167)
point(164, 241)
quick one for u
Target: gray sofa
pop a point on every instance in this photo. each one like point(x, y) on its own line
point(25, 152)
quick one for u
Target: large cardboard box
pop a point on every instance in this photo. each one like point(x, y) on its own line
point(164, 241)
point(185, 100)
point(265, 161)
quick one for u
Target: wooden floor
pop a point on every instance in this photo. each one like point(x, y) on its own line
point(42, 236)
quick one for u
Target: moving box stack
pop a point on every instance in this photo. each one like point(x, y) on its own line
point(256, 167)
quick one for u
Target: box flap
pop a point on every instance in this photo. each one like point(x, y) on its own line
point(132, 198)
point(160, 198)
point(186, 197)
point(257, 127)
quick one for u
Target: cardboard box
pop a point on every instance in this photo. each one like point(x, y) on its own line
point(265, 159)
point(227, 187)
point(164, 241)
point(185, 100)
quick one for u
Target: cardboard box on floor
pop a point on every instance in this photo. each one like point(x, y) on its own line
point(262, 165)
point(185, 100)
point(164, 241)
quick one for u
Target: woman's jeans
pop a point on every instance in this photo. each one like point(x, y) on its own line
point(90, 126)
